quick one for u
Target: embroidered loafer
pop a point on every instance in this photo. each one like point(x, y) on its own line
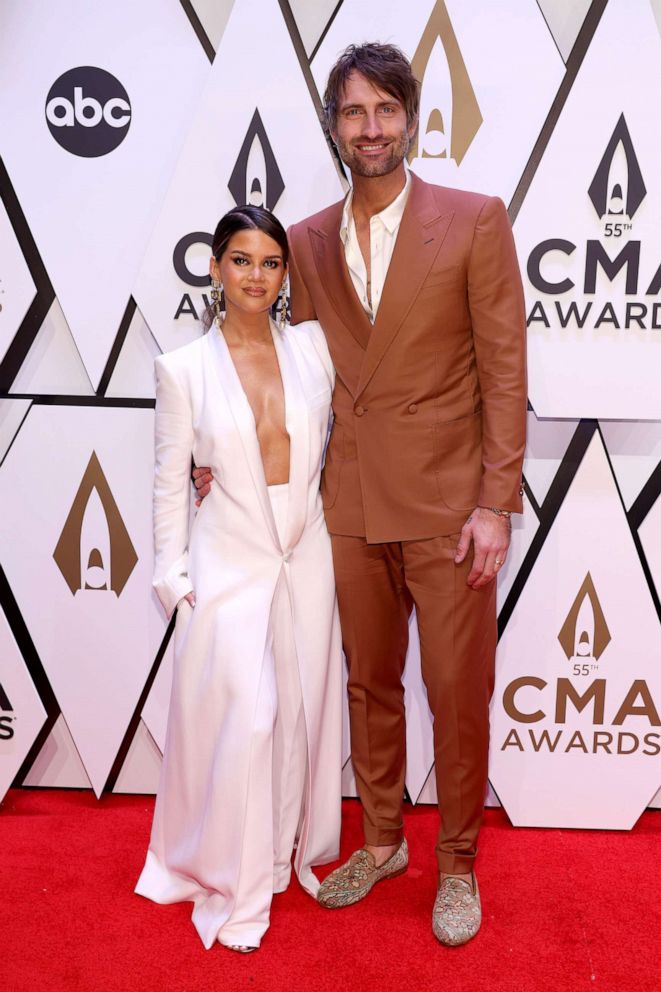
point(457, 912)
point(352, 881)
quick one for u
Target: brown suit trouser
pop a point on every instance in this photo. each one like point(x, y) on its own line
point(376, 585)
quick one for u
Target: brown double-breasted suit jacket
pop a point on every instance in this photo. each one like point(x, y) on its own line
point(430, 400)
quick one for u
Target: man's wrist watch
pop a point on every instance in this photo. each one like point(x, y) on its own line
point(499, 513)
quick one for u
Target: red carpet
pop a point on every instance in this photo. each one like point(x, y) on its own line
point(564, 911)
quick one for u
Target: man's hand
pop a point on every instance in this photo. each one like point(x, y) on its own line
point(490, 535)
point(202, 479)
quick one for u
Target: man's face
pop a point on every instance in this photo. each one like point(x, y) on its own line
point(371, 132)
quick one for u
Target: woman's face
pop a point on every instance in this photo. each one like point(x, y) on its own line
point(251, 270)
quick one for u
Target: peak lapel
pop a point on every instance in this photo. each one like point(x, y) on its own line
point(421, 235)
point(328, 252)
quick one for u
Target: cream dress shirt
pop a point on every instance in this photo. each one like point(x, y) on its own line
point(383, 234)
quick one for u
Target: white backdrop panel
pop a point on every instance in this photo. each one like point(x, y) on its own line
point(565, 19)
point(213, 15)
point(53, 365)
point(256, 131)
point(91, 215)
point(485, 88)
point(79, 560)
point(133, 374)
point(588, 234)
point(311, 20)
point(142, 766)
point(546, 444)
point(635, 451)
point(58, 764)
point(575, 726)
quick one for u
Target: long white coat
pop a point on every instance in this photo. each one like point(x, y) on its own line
point(233, 559)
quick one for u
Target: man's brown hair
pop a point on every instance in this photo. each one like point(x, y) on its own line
point(385, 66)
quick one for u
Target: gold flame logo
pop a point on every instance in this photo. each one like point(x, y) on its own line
point(585, 634)
point(94, 550)
point(449, 113)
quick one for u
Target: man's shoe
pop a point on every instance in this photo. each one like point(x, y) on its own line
point(353, 880)
point(457, 911)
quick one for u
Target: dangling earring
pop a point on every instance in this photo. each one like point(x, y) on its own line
point(216, 295)
point(284, 289)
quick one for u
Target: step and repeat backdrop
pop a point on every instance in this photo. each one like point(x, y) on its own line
point(127, 130)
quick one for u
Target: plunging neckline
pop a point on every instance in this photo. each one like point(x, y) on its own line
point(296, 424)
point(238, 382)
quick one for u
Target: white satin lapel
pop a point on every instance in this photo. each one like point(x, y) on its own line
point(245, 423)
point(298, 428)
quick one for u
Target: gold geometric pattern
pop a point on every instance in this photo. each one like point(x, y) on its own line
point(449, 113)
point(82, 562)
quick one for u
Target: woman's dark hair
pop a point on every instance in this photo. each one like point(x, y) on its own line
point(248, 218)
point(245, 218)
point(385, 66)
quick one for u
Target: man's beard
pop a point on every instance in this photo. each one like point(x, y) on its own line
point(398, 150)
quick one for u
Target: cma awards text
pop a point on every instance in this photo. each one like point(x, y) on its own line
point(637, 704)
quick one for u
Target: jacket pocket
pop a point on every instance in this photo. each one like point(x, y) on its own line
point(457, 448)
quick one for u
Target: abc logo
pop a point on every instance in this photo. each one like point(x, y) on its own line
point(88, 111)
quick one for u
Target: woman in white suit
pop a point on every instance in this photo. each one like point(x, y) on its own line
point(251, 769)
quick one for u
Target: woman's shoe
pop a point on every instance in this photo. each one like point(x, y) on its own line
point(239, 948)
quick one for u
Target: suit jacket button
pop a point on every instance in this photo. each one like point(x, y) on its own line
point(359, 410)
point(413, 408)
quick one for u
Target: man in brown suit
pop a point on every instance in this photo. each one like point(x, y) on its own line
point(418, 291)
point(424, 460)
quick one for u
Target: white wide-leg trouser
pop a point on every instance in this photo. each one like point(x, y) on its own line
point(277, 770)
